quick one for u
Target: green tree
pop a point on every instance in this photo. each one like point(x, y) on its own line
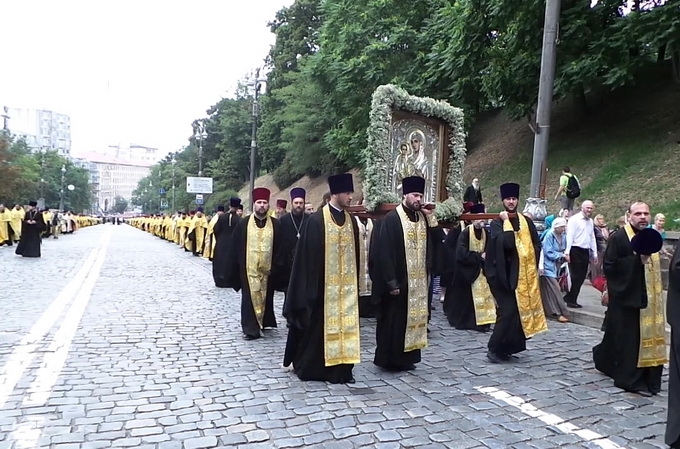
point(120, 204)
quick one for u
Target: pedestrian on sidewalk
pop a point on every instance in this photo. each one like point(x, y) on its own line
point(554, 247)
point(673, 312)
point(581, 250)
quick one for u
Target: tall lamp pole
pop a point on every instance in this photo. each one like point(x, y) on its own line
point(61, 190)
point(201, 137)
point(253, 142)
point(545, 95)
point(173, 182)
point(42, 172)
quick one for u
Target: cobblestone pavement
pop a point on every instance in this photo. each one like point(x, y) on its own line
point(118, 339)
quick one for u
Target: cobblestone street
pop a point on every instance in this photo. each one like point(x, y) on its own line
point(115, 338)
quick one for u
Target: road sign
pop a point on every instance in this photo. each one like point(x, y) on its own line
point(199, 201)
point(164, 203)
point(161, 191)
point(199, 196)
point(199, 185)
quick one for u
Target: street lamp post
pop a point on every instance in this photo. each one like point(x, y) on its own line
point(253, 142)
point(42, 172)
point(202, 135)
point(173, 182)
point(61, 190)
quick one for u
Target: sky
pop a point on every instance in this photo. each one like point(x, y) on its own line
point(130, 71)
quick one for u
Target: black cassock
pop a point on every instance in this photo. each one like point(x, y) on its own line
point(617, 355)
point(223, 232)
point(673, 314)
point(304, 307)
point(29, 244)
point(291, 227)
point(449, 264)
point(390, 274)
point(460, 307)
point(502, 273)
point(237, 279)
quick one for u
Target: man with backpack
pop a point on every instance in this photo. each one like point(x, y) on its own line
point(569, 190)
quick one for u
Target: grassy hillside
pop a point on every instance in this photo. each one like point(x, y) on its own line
point(627, 149)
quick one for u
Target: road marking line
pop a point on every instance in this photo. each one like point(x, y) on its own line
point(548, 418)
point(24, 351)
point(48, 373)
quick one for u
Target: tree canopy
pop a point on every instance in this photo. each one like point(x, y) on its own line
point(330, 55)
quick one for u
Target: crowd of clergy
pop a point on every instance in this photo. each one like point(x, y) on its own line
point(500, 276)
point(27, 226)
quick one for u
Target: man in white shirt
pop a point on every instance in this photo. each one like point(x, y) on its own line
point(581, 249)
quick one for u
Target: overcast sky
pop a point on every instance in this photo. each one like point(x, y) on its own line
point(130, 70)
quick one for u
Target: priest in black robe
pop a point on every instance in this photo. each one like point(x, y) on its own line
point(32, 227)
point(222, 233)
point(470, 305)
point(405, 256)
point(673, 313)
point(322, 305)
point(513, 279)
point(254, 267)
point(291, 227)
point(633, 348)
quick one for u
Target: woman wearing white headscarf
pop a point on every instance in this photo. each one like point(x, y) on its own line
point(552, 257)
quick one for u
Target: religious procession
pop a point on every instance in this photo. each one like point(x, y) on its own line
point(27, 226)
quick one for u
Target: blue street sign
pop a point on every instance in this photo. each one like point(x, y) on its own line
point(161, 191)
point(199, 201)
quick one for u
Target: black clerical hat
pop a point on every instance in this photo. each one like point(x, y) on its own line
point(33, 203)
point(477, 209)
point(220, 208)
point(341, 183)
point(239, 207)
point(509, 190)
point(297, 192)
point(199, 209)
point(647, 242)
point(413, 184)
point(234, 202)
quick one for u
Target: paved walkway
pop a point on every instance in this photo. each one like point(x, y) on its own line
point(118, 339)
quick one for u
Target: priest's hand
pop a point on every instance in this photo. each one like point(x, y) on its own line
point(427, 211)
point(644, 259)
point(394, 292)
point(504, 216)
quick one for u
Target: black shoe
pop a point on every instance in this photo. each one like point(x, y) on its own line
point(573, 305)
point(351, 380)
point(250, 337)
point(494, 358)
point(643, 393)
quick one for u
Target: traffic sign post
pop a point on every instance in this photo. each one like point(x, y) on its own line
point(199, 199)
point(161, 191)
point(199, 185)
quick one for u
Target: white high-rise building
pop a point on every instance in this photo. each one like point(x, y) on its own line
point(42, 129)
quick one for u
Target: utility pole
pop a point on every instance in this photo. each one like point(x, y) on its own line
point(173, 182)
point(545, 96)
point(253, 142)
point(61, 191)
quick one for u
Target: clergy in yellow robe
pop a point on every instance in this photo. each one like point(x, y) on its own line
point(210, 240)
point(18, 214)
point(5, 227)
point(196, 234)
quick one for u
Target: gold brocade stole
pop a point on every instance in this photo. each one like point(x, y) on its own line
point(341, 293)
point(528, 293)
point(485, 305)
point(210, 239)
point(415, 246)
point(652, 318)
point(200, 227)
point(365, 284)
point(259, 246)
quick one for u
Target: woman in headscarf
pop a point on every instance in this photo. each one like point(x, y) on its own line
point(552, 257)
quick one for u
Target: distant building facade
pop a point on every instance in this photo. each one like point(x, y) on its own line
point(42, 129)
point(114, 177)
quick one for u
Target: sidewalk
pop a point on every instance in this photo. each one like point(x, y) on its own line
point(592, 313)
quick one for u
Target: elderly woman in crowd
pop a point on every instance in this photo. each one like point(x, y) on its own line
point(552, 257)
